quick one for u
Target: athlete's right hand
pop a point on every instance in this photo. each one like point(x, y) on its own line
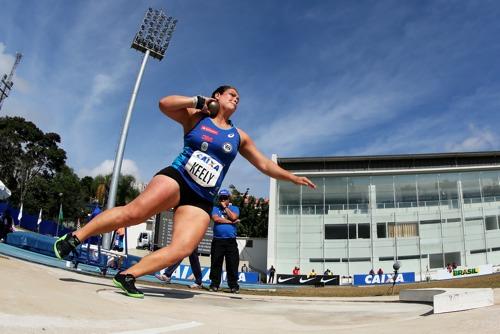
point(304, 181)
point(205, 110)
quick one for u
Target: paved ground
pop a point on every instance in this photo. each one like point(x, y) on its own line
point(40, 299)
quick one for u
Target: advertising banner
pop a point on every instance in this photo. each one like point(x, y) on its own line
point(462, 272)
point(304, 280)
point(185, 272)
point(384, 279)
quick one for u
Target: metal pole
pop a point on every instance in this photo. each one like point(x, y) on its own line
point(462, 215)
point(106, 240)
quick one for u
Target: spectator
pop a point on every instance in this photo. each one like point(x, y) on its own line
point(6, 224)
point(427, 274)
point(296, 271)
point(327, 273)
point(225, 217)
point(244, 268)
point(95, 212)
point(454, 265)
point(380, 271)
point(119, 236)
point(311, 274)
point(194, 261)
point(372, 272)
point(271, 273)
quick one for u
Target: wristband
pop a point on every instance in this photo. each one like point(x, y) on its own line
point(200, 102)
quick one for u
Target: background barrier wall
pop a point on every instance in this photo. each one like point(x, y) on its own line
point(462, 272)
point(304, 280)
point(185, 272)
point(384, 279)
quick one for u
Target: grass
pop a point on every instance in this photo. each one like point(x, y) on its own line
point(485, 281)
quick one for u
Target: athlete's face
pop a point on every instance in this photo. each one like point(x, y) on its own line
point(229, 99)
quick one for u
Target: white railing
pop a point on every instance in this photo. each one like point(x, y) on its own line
point(319, 209)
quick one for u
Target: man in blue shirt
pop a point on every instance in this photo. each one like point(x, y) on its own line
point(225, 217)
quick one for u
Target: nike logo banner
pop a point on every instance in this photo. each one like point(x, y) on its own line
point(304, 280)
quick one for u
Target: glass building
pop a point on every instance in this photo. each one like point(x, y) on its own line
point(424, 210)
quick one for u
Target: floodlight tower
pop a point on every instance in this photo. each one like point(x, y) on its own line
point(152, 39)
point(7, 83)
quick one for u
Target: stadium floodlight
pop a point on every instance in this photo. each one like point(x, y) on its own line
point(152, 39)
point(155, 33)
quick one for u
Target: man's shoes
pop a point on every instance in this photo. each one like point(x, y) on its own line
point(65, 245)
point(195, 286)
point(235, 290)
point(163, 278)
point(213, 288)
point(127, 284)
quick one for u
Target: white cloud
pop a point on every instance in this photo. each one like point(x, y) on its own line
point(102, 84)
point(324, 122)
point(477, 140)
point(129, 167)
point(6, 60)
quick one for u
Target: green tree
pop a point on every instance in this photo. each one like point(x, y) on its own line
point(125, 191)
point(254, 214)
point(48, 193)
point(27, 153)
point(88, 189)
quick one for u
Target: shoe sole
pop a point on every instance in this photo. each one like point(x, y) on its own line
point(134, 295)
point(55, 248)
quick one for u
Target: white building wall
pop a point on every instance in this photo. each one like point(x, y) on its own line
point(298, 237)
point(255, 255)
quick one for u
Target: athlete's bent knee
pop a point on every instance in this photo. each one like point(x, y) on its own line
point(132, 215)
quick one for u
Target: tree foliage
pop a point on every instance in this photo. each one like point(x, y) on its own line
point(27, 153)
point(49, 193)
point(33, 167)
point(254, 214)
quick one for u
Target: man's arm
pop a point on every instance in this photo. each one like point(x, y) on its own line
point(219, 220)
point(232, 215)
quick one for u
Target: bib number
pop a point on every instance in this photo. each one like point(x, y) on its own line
point(203, 169)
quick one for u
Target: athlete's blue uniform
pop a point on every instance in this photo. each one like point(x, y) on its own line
point(206, 157)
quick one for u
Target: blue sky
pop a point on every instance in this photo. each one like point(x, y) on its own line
point(316, 78)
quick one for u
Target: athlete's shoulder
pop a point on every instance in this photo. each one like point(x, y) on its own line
point(243, 134)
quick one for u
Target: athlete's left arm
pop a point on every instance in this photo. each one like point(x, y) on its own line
point(249, 151)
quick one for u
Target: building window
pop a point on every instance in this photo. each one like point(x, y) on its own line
point(436, 261)
point(364, 231)
point(402, 230)
point(249, 244)
point(403, 257)
point(339, 231)
point(432, 221)
point(491, 223)
point(381, 230)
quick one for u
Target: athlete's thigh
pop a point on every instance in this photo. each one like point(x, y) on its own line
point(190, 225)
point(161, 194)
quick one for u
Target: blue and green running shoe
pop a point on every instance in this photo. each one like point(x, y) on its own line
point(127, 284)
point(65, 245)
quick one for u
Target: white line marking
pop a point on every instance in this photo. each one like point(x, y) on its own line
point(172, 328)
